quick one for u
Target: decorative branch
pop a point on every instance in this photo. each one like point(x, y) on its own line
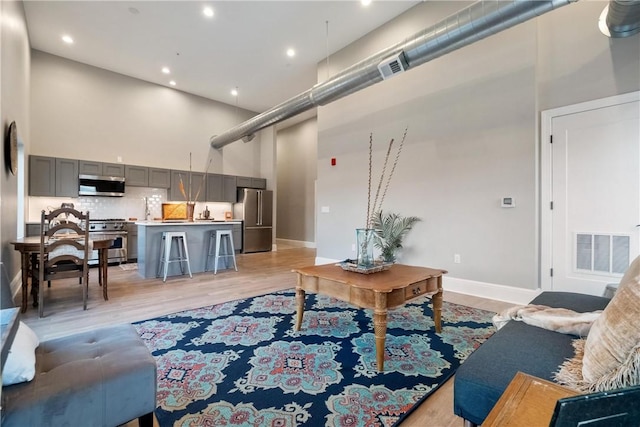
point(368, 222)
point(393, 168)
point(181, 187)
point(371, 210)
point(190, 179)
point(202, 182)
point(384, 169)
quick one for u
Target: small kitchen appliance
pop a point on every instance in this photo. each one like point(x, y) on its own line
point(94, 185)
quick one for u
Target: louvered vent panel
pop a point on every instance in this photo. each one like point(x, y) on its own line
point(395, 67)
point(602, 253)
point(583, 251)
point(621, 247)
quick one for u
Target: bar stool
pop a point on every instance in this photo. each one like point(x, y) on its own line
point(168, 237)
point(216, 237)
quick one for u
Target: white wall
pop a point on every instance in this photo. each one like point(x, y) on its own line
point(84, 112)
point(297, 172)
point(473, 118)
point(14, 106)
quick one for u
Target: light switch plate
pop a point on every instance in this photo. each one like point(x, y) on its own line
point(508, 202)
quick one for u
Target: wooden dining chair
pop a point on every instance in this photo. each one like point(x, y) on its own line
point(64, 250)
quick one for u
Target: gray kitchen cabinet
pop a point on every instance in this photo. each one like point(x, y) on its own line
point(159, 178)
point(197, 183)
point(259, 183)
point(249, 182)
point(214, 187)
point(42, 176)
point(132, 241)
point(53, 177)
point(33, 229)
point(87, 167)
point(237, 237)
point(66, 178)
point(113, 169)
point(243, 181)
point(136, 176)
point(221, 188)
point(229, 189)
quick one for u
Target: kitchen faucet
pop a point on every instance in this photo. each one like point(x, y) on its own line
point(147, 213)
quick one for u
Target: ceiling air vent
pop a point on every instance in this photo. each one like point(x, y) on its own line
point(393, 65)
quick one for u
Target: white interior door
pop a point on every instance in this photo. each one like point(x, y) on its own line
point(594, 196)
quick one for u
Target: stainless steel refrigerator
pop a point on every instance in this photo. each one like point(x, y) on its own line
point(255, 208)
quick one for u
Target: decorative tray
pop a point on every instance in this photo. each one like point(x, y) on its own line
point(173, 211)
point(352, 265)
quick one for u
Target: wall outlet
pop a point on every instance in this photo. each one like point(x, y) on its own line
point(119, 158)
point(456, 258)
point(325, 209)
point(353, 247)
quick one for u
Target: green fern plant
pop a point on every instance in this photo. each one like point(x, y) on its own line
point(390, 231)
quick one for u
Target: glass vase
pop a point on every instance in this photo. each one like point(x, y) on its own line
point(364, 247)
point(190, 208)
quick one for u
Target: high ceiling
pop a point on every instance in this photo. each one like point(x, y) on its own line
point(243, 45)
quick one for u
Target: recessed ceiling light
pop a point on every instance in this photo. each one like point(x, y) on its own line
point(166, 70)
point(291, 53)
point(234, 92)
point(67, 39)
point(365, 2)
point(172, 82)
point(208, 12)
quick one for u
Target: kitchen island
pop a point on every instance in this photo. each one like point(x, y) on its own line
point(150, 240)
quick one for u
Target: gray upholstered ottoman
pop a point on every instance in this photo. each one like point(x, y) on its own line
point(104, 377)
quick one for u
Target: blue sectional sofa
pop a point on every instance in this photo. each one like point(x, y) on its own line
point(483, 377)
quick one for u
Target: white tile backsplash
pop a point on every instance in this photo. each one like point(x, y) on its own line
point(131, 205)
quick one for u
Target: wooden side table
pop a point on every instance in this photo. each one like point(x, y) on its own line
point(527, 401)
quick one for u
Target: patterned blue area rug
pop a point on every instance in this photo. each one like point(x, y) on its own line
point(241, 363)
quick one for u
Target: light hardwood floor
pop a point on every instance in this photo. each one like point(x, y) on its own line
point(132, 298)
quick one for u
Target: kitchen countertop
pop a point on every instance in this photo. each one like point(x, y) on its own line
point(195, 222)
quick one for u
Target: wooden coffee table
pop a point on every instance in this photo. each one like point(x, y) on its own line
point(378, 291)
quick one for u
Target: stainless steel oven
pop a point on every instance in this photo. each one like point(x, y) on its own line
point(114, 228)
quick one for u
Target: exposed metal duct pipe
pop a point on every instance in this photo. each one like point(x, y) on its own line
point(621, 18)
point(469, 25)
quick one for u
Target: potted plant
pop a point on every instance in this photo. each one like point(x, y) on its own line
point(390, 230)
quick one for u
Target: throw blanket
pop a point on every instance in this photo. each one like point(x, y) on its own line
point(554, 319)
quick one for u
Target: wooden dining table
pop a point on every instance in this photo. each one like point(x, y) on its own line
point(30, 246)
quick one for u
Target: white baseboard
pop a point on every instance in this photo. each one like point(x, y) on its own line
point(296, 243)
point(475, 288)
point(489, 290)
point(320, 261)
